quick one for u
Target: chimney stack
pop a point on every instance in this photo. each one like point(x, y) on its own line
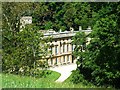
point(89, 28)
point(71, 29)
point(80, 28)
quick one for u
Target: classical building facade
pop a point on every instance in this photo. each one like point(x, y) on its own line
point(61, 47)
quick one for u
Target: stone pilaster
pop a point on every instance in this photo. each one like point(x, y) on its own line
point(49, 62)
point(70, 58)
point(70, 47)
point(53, 50)
point(59, 49)
point(54, 61)
point(65, 58)
point(62, 59)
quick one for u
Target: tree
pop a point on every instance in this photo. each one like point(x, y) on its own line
point(79, 40)
point(21, 49)
point(30, 46)
point(101, 57)
point(62, 15)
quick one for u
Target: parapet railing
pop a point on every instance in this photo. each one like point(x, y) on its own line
point(64, 34)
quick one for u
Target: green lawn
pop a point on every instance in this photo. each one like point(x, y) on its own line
point(16, 81)
point(13, 81)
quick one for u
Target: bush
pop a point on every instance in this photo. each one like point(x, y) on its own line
point(77, 77)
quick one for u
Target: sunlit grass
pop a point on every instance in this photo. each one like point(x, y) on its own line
point(69, 84)
point(17, 81)
point(0, 80)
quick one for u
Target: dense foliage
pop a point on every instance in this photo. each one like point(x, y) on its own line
point(23, 49)
point(99, 63)
point(51, 15)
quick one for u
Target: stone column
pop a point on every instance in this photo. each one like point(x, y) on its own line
point(62, 59)
point(54, 61)
point(57, 60)
point(65, 46)
point(59, 47)
point(53, 50)
point(65, 58)
point(70, 47)
point(70, 58)
point(49, 62)
point(57, 53)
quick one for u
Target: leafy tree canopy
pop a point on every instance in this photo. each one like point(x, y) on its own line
point(22, 48)
point(100, 60)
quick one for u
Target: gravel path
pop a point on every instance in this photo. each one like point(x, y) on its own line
point(64, 70)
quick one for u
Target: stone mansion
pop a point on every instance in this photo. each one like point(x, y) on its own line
point(61, 47)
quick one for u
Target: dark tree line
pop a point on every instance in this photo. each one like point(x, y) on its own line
point(62, 15)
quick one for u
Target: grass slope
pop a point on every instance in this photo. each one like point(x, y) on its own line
point(16, 81)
